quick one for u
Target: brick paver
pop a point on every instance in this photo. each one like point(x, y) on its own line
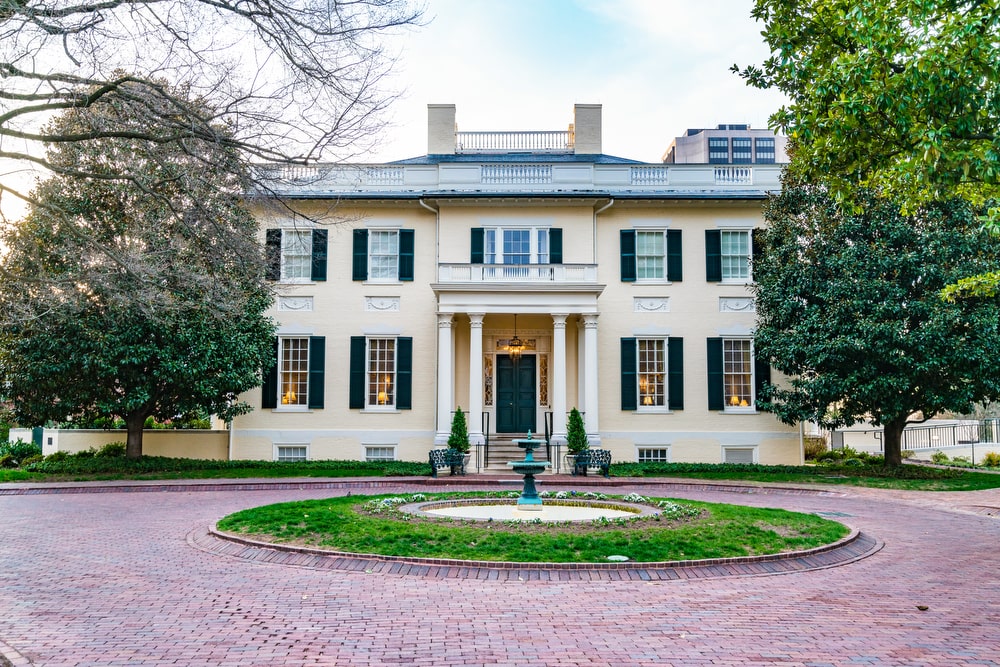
point(111, 578)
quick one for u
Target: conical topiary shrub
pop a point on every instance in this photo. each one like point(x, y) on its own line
point(459, 438)
point(576, 434)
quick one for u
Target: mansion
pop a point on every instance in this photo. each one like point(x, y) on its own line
point(517, 275)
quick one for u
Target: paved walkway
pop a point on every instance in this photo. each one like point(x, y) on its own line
point(112, 578)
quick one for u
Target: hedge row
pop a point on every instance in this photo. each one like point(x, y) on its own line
point(76, 465)
point(872, 468)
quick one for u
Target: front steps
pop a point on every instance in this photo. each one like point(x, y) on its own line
point(503, 449)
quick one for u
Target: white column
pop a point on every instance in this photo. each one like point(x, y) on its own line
point(557, 378)
point(476, 379)
point(591, 398)
point(445, 378)
point(581, 366)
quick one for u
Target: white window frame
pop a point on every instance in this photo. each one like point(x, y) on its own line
point(377, 388)
point(754, 448)
point(643, 393)
point(743, 258)
point(288, 253)
point(639, 449)
point(373, 233)
point(288, 399)
point(279, 446)
point(662, 278)
point(493, 244)
point(751, 390)
point(367, 447)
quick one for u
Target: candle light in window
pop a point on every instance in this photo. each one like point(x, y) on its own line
point(288, 398)
point(735, 400)
point(647, 400)
point(744, 404)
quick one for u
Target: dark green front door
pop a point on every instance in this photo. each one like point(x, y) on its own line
point(515, 394)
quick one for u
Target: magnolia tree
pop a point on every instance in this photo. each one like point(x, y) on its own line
point(135, 286)
point(899, 96)
point(849, 307)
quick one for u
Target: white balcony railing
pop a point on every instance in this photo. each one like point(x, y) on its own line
point(516, 174)
point(733, 176)
point(517, 273)
point(542, 141)
point(649, 175)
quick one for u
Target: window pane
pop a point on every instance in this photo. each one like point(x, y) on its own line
point(652, 371)
point(380, 453)
point(296, 255)
point(736, 255)
point(737, 373)
point(765, 150)
point(490, 251)
point(649, 251)
point(294, 371)
point(297, 453)
point(383, 255)
point(718, 150)
point(516, 246)
point(741, 150)
point(543, 246)
point(381, 372)
point(650, 454)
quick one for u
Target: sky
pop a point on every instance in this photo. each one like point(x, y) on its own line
point(658, 67)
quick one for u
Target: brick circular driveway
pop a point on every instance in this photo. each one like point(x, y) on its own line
point(113, 578)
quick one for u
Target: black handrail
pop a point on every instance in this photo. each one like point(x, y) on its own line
point(486, 437)
point(547, 419)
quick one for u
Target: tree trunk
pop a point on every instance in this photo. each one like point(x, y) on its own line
point(892, 439)
point(133, 443)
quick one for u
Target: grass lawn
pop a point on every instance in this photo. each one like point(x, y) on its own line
point(684, 530)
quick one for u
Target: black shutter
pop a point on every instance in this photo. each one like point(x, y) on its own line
point(358, 376)
point(555, 246)
point(713, 255)
point(716, 384)
point(629, 399)
point(756, 247)
point(269, 390)
point(406, 254)
point(360, 252)
point(404, 373)
point(476, 253)
point(272, 253)
point(627, 237)
point(319, 243)
point(675, 270)
point(675, 373)
point(762, 375)
point(317, 370)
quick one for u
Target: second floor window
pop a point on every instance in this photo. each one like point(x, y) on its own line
point(765, 150)
point(736, 255)
point(650, 250)
point(296, 255)
point(383, 254)
point(516, 246)
point(741, 150)
point(718, 150)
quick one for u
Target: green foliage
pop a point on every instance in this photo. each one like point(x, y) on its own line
point(991, 460)
point(111, 450)
point(89, 463)
point(459, 437)
point(896, 95)
point(7, 461)
point(140, 294)
point(939, 458)
point(576, 433)
point(848, 307)
point(19, 451)
point(813, 446)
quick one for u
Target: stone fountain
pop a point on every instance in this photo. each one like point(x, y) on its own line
point(529, 467)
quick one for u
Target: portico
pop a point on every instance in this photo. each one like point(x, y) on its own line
point(515, 385)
